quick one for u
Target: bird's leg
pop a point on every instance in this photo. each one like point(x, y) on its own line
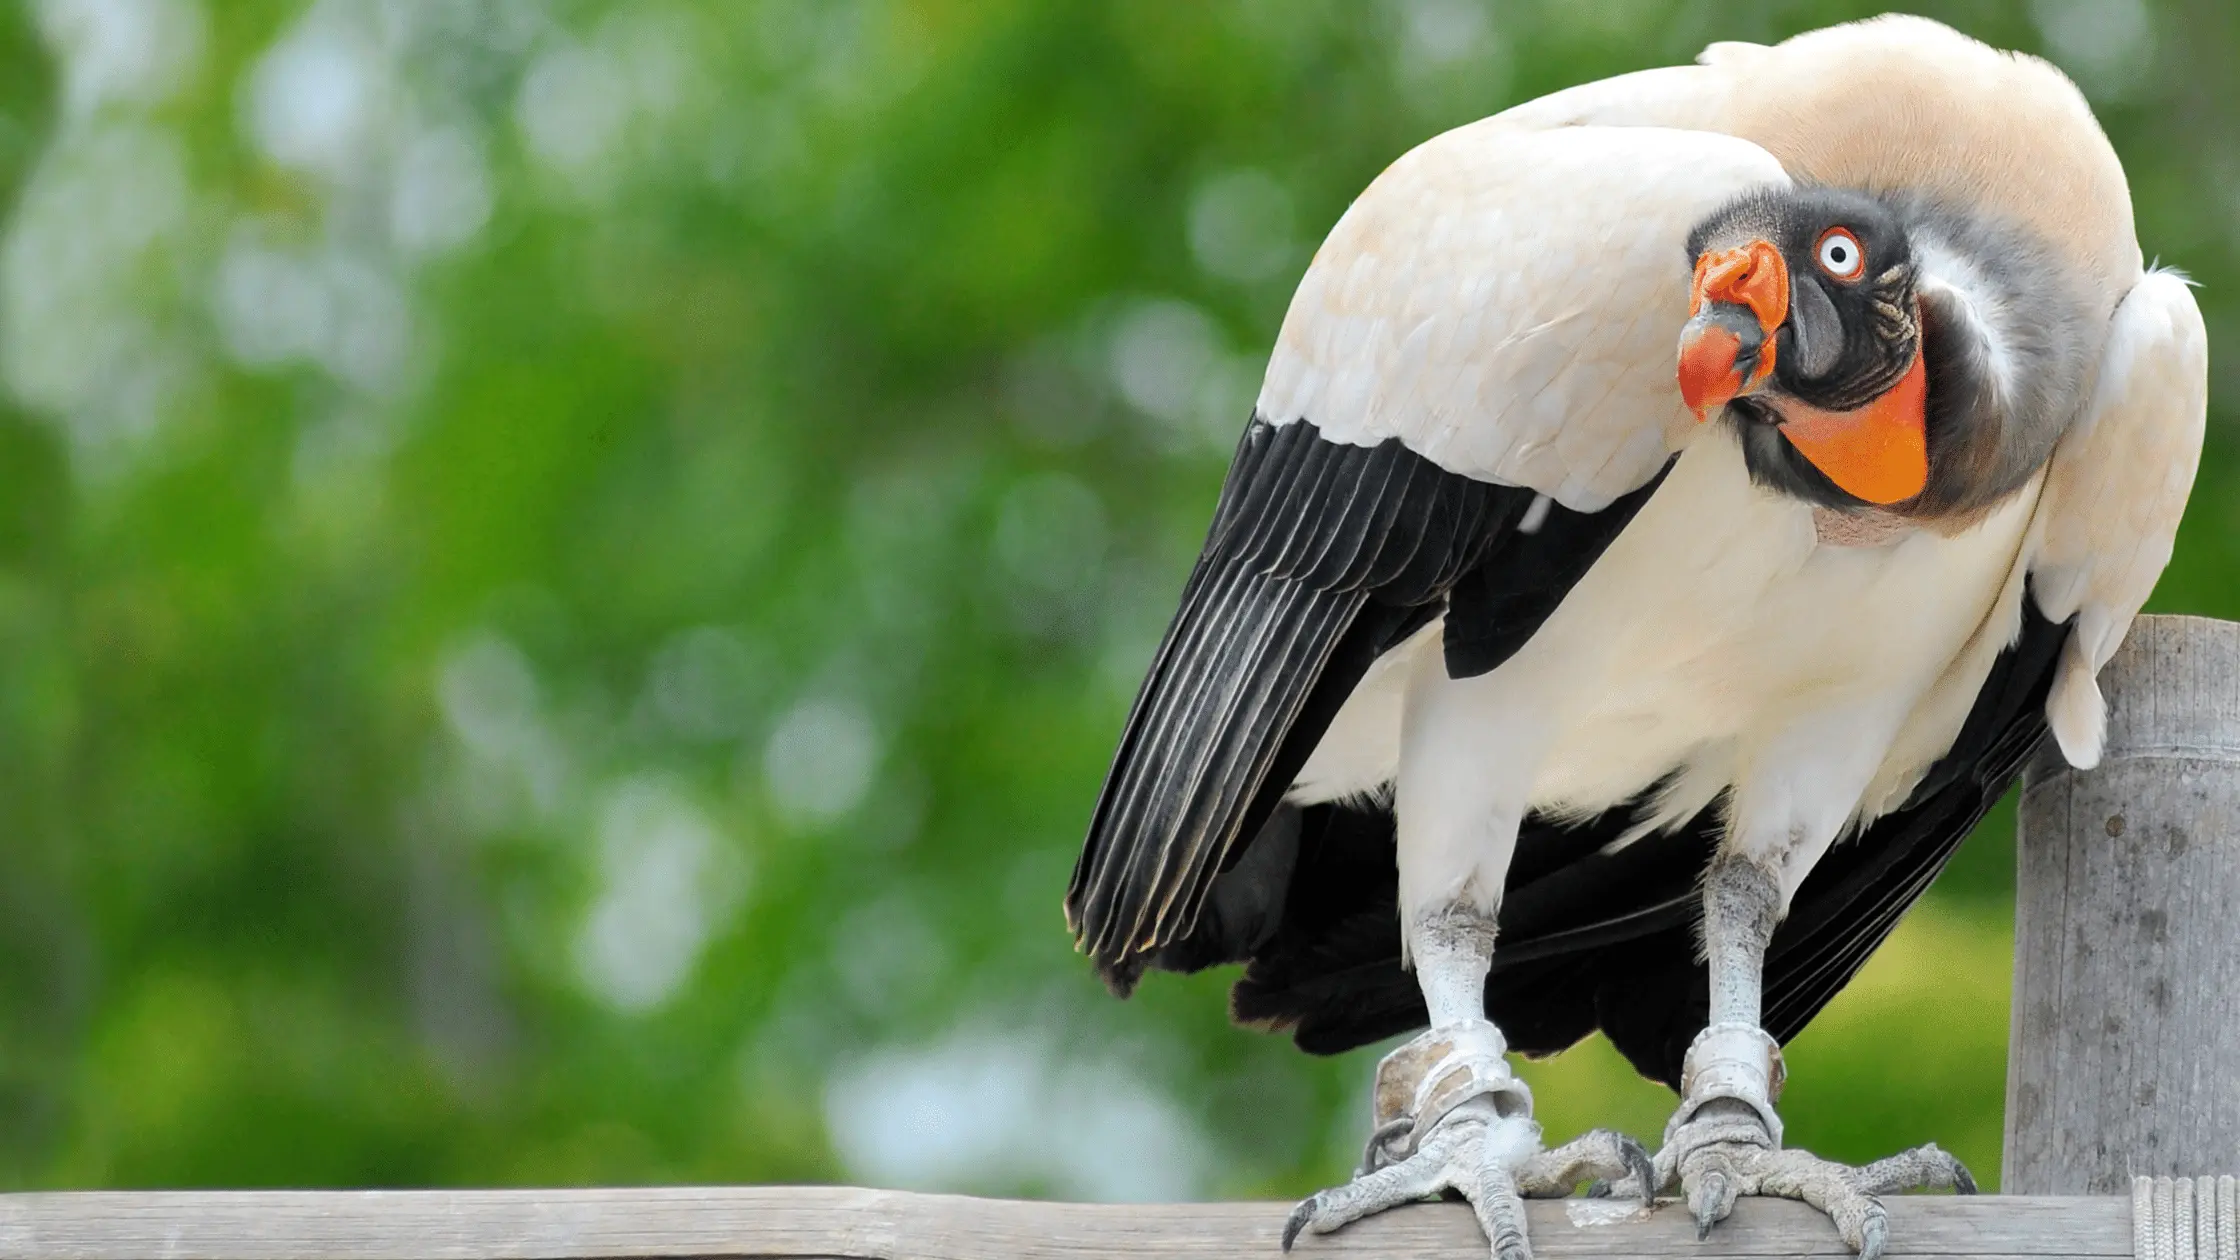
point(1451, 1115)
point(1725, 1139)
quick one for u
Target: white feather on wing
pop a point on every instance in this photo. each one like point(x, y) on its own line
point(1505, 302)
point(2115, 491)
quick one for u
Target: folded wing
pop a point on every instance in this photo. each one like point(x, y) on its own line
point(1492, 322)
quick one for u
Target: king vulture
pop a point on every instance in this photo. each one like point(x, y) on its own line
point(1675, 509)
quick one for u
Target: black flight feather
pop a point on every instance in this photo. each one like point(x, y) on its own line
point(1319, 554)
point(1322, 556)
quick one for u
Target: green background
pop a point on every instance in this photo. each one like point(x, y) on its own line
point(568, 572)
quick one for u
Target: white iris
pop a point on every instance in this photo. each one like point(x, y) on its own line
point(1839, 254)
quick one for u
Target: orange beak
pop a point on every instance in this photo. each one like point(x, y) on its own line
point(1738, 302)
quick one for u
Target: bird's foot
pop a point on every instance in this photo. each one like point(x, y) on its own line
point(1493, 1161)
point(1725, 1142)
point(1451, 1116)
point(1716, 1170)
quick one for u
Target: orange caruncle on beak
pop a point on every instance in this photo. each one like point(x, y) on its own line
point(1752, 277)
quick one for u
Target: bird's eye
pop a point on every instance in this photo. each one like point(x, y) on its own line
point(1840, 255)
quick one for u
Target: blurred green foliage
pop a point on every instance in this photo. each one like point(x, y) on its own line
point(568, 571)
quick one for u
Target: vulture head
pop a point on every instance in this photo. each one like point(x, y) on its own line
point(1888, 353)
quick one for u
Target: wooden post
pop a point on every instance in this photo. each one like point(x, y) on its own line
point(2124, 1058)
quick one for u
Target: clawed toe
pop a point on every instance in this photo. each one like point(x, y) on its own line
point(1418, 1177)
point(1874, 1235)
point(1714, 1174)
point(1605, 1158)
point(1487, 1158)
point(1925, 1167)
point(1711, 1197)
point(1301, 1216)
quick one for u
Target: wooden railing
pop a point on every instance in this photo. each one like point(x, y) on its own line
point(771, 1221)
point(2125, 1061)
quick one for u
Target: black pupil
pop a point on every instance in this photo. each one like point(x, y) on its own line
point(1838, 255)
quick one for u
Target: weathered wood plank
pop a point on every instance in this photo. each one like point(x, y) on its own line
point(779, 1221)
point(2124, 1057)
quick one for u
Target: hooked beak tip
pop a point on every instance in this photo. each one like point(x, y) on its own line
point(1711, 370)
point(1725, 352)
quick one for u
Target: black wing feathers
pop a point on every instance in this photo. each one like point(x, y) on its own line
point(1496, 607)
point(1271, 635)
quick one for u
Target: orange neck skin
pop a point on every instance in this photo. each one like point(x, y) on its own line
point(1879, 453)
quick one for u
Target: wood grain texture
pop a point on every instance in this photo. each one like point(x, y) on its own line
point(2124, 1057)
point(774, 1221)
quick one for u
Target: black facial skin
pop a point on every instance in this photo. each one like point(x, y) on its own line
point(2008, 361)
point(1844, 343)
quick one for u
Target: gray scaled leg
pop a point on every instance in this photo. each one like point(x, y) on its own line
point(1725, 1140)
point(1450, 1115)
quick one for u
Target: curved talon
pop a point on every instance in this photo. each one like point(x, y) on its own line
point(1642, 1170)
point(1417, 1177)
point(1594, 1158)
point(1378, 1152)
point(1706, 1202)
point(1297, 1221)
point(1874, 1234)
point(1640, 1180)
point(1925, 1167)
